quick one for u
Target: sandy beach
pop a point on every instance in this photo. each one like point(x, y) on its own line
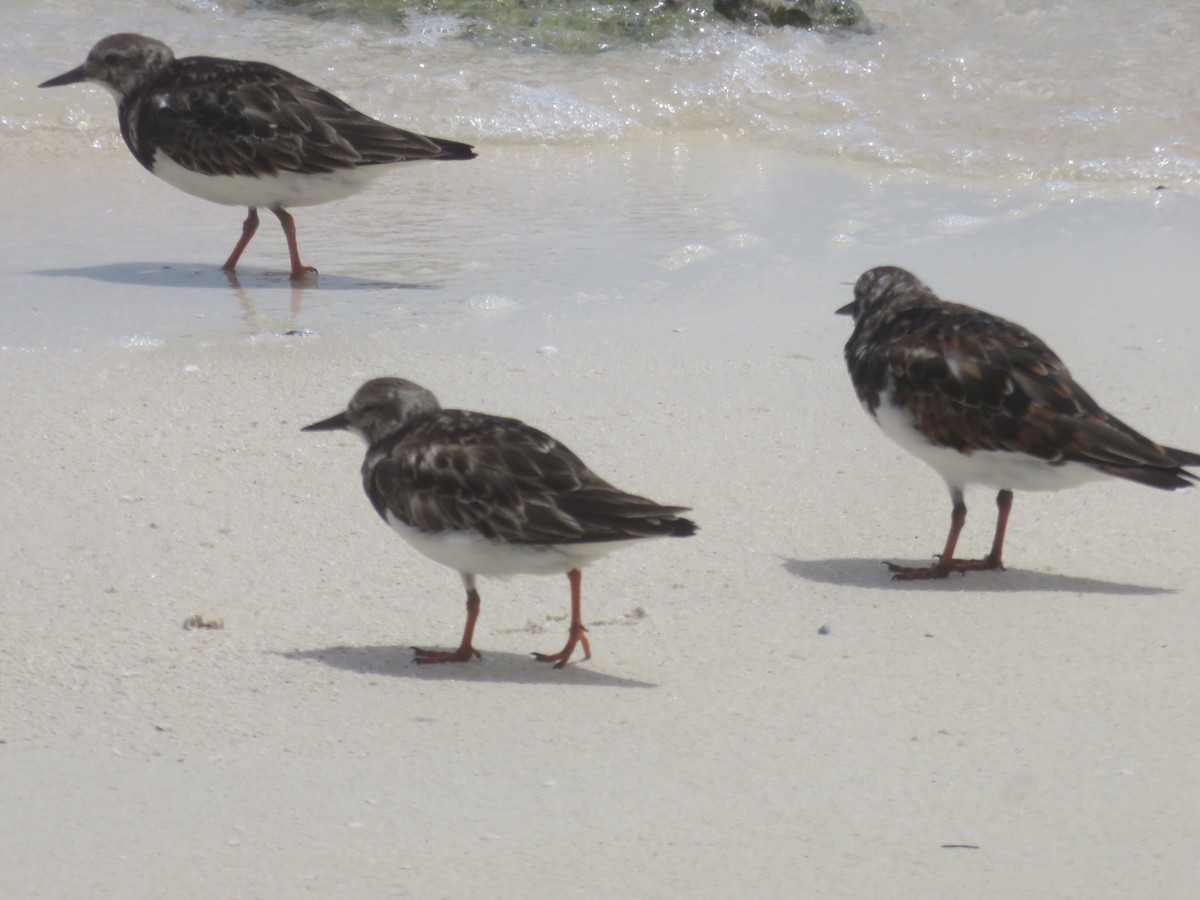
point(765, 713)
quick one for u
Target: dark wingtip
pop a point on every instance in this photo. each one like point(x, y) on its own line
point(684, 528)
point(452, 150)
point(1182, 457)
point(1168, 479)
point(1154, 476)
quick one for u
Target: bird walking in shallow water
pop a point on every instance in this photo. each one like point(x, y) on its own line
point(491, 496)
point(245, 133)
point(983, 401)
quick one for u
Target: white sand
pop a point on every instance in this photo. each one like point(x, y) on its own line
point(717, 744)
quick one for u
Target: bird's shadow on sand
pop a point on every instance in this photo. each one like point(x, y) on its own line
point(872, 573)
point(511, 668)
point(190, 275)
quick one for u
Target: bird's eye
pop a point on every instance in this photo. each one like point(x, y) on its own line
point(111, 59)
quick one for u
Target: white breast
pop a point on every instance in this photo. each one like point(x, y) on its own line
point(995, 468)
point(287, 189)
point(474, 554)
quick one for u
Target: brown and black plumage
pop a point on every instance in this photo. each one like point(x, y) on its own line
point(488, 495)
point(245, 133)
point(984, 401)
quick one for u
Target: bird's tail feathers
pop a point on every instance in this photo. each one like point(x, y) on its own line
point(1164, 478)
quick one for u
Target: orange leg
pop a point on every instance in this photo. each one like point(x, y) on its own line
point(577, 634)
point(248, 228)
point(300, 272)
point(465, 651)
point(946, 562)
point(1003, 508)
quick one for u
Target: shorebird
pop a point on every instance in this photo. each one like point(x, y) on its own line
point(983, 401)
point(487, 495)
point(245, 133)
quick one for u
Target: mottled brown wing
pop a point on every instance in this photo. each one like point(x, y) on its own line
point(975, 381)
point(269, 121)
point(507, 481)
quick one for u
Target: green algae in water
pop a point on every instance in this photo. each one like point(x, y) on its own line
point(580, 26)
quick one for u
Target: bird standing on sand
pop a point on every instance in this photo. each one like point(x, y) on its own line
point(983, 401)
point(490, 496)
point(245, 133)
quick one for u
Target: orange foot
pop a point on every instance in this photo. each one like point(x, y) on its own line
point(462, 654)
point(578, 636)
point(304, 273)
point(942, 568)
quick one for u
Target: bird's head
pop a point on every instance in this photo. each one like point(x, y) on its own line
point(886, 289)
point(119, 62)
point(380, 408)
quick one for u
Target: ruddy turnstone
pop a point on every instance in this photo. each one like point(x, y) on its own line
point(245, 133)
point(983, 401)
point(490, 496)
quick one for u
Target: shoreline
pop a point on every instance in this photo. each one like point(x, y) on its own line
point(712, 250)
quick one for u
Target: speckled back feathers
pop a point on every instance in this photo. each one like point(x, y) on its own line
point(972, 381)
point(445, 470)
point(230, 117)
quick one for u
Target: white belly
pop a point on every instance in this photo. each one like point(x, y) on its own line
point(286, 189)
point(995, 468)
point(473, 554)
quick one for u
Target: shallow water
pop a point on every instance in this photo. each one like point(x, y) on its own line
point(1093, 94)
point(705, 247)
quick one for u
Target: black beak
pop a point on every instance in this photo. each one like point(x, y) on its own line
point(847, 310)
point(75, 76)
point(333, 423)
